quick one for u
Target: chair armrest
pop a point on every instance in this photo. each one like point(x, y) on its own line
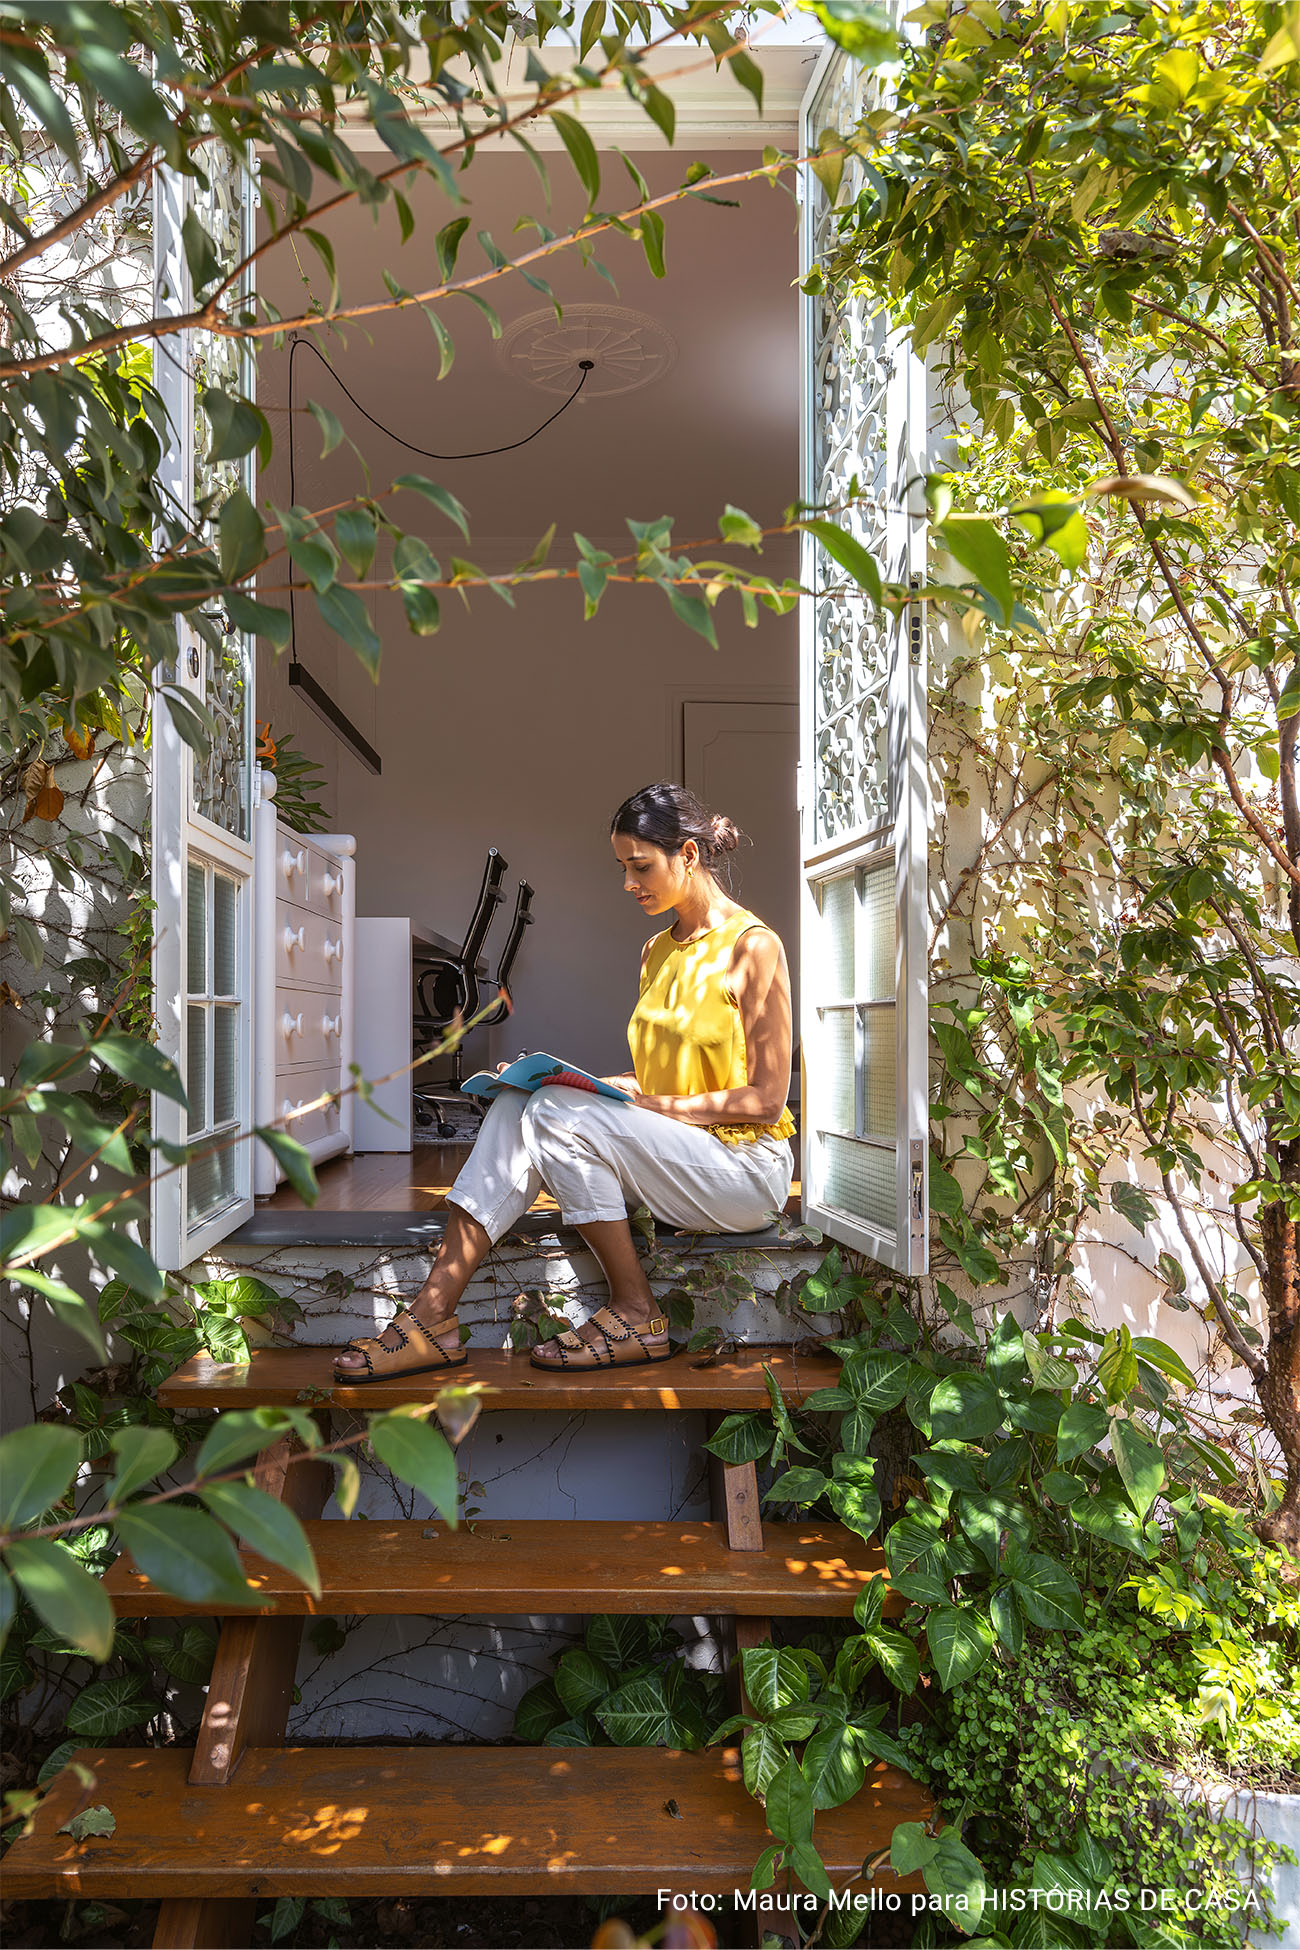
point(431, 974)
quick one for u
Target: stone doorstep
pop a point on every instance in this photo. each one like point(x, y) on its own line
point(383, 1256)
point(422, 1232)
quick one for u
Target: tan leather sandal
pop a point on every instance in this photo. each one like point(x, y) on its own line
point(615, 1349)
point(419, 1352)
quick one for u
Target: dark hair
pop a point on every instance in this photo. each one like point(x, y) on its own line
point(667, 815)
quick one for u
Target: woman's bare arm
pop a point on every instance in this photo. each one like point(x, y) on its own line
point(627, 1080)
point(760, 982)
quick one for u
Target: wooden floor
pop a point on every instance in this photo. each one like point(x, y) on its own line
point(384, 1181)
point(396, 1181)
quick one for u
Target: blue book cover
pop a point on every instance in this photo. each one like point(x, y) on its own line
point(531, 1072)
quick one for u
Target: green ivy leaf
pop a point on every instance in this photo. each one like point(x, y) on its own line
point(960, 1640)
point(142, 1453)
point(796, 1486)
point(976, 544)
point(37, 1465)
point(967, 1406)
point(241, 536)
point(582, 153)
point(763, 1754)
point(421, 1456)
point(1139, 1462)
point(108, 1707)
point(140, 1063)
point(266, 1526)
point(860, 27)
point(848, 552)
point(71, 1602)
point(1082, 1426)
point(1117, 1368)
point(833, 1766)
point(789, 1804)
point(741, 1438)
point(581, 1680)
point(294, 1161)
point(185, 1552)
point(774, 1677)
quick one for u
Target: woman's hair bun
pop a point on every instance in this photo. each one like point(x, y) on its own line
point(668, 815)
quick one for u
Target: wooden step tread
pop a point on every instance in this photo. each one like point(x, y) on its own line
point(433, 1820)
point(280, 1374)
point(387, 1569)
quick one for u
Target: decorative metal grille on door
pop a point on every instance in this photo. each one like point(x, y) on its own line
point(202, 804)
point(863, 783)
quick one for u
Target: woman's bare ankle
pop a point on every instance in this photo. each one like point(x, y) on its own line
point(636, 1308)
point(433, 1310)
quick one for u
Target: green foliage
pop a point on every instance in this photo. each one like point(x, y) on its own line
point(1053, 1764)
point(98, 556)
point(1058, 1492)
point(298, 777)
point(1083, 214)
point(627, 1685)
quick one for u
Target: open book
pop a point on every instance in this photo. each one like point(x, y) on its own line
point(531, 1072)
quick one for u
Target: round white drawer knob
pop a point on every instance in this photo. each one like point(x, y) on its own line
point(332, 884)
point(292, 862)
point(332, 1025)
point(295, 938)
point(291, 1025)
point(333, 951)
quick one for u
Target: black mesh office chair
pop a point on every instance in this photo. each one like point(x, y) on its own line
point(447, 989)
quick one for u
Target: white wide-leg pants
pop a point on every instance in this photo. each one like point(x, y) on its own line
point(597, 1157)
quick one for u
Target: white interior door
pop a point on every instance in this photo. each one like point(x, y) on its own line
point(863, 798)
point(741, 757)
point(203, 805)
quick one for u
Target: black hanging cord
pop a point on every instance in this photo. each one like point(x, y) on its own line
point(585, 366)
point(482, 453)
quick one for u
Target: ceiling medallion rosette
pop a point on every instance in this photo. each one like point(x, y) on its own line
point(627, 349)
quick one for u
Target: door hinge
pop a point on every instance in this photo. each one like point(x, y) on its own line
point(915, 624)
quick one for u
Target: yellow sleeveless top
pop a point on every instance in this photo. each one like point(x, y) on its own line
point(686, 1034)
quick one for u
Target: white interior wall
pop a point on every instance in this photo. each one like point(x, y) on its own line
point(523, 728)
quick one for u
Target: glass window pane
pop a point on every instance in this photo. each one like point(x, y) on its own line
point(196, 933)
point(196, 1073)
point(880, 1071)
point(224, 934)
point(225, 1064)
point(835, 1108)
point(836, 962)
point(862, 1178)
point(877, 930)
point(210, 1184)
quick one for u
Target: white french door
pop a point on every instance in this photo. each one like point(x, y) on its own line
point(863, 795)
point(202, 804)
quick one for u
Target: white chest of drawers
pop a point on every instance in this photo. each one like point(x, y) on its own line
point(305, 986)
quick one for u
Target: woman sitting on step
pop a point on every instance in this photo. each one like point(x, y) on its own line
point(704, 1142)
